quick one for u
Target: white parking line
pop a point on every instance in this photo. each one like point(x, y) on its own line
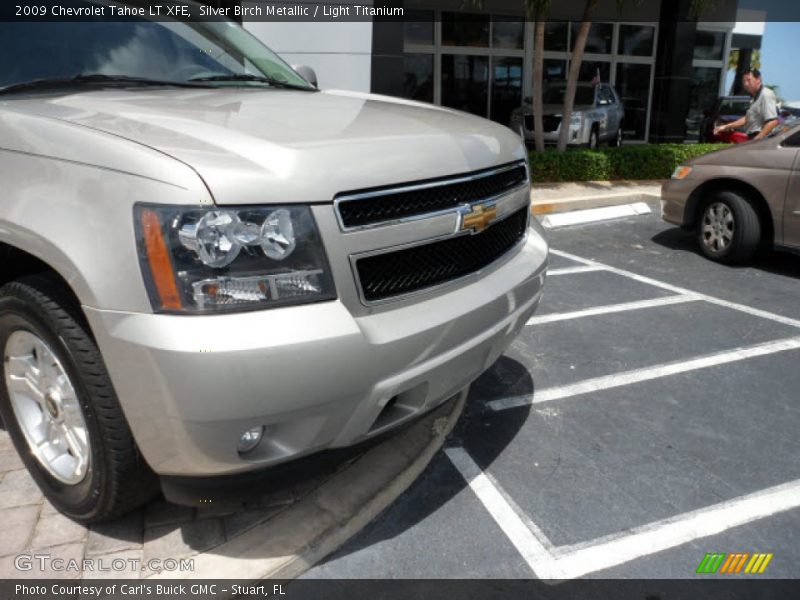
point(532, 550)
point(592, 556)
point(611, 308)
point(679, 290)
point(573, 270)
point(563, 562)
point(638, 375)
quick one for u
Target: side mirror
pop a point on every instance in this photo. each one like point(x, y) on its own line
point(307, 73)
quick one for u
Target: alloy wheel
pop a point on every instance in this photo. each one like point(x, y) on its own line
point(718, 227)
point(46, 407)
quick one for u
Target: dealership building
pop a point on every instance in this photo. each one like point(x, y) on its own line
point(666, 68)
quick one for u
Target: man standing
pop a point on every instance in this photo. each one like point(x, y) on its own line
point(762, 116)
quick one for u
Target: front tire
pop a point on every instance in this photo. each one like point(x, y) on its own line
point(60, 409)
point(594, 139)
point(729, 230)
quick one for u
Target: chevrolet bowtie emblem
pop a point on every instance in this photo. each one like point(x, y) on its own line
point(476, 218)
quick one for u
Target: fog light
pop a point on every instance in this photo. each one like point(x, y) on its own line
point(250, 439)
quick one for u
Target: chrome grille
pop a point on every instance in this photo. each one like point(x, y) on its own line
point(416, 268)
point(368, 208)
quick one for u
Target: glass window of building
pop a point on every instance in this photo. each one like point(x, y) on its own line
point(508, 33)
point(418, 27)
point(636, 40)
point(465, 83)
point(596, 71)
point(418, 77)
point(633, 87)
point(599, 40)
point(555, 70)
point(709, 45)
point(703, 94)
point(506, 87)
point(465, 29)
point(556, 36)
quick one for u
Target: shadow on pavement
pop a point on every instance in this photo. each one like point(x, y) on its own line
point(486, 432)
point(785, 264)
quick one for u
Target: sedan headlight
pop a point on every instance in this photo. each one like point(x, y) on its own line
point(210, 260)
point(681, 172)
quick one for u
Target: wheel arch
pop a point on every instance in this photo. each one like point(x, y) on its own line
point(16, 263)
point(702, 193)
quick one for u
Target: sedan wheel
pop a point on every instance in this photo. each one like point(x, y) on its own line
point(729, 229)
point(594, 140)
point(718, 228)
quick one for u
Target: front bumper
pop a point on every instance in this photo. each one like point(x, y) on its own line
point(675, 194)
point(551, 138)
point(314, 376)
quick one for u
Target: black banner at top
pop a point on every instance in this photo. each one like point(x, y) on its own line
point(709, 11)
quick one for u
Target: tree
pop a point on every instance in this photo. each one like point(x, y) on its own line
point(733, 59)
point(574, 71)
point(741, 60)
point(537, 11)
point(696, 9)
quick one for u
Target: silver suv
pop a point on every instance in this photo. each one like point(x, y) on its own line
point(209, 267)
point(597, 117)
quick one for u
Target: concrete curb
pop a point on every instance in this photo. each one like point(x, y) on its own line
point(582, 203)
point(292, 541)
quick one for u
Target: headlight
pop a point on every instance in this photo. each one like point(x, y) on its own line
point(576, 121)
point(198, 260)
point(681, 172)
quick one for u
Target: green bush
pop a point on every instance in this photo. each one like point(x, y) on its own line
point(641, 161)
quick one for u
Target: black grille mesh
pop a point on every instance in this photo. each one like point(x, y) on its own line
point(398, 205)
point(420, 267)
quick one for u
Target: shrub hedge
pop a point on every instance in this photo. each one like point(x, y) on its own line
point(640, 161)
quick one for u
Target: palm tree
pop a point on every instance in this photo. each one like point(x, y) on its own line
point(537, 11)
point(696, 9)
point(574, 71)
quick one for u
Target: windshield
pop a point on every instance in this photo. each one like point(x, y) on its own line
point(139, 48)
point(734, 107)
point(555, 95)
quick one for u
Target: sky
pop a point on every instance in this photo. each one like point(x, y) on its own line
point(780, 45)
point(779, 52)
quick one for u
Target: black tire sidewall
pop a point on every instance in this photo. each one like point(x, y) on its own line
point(80, 500)
point(737, 205)
point(594, 139)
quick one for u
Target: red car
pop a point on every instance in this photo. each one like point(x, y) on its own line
point(725, 110)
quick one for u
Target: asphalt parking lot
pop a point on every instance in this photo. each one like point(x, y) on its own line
point(648, 415)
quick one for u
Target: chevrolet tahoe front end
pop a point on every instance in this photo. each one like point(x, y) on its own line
point(205, 279)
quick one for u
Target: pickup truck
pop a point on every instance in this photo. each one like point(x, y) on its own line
point(209, 267)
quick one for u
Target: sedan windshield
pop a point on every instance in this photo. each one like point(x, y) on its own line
point(555, 95)
point(734, 107)
point(218, 53)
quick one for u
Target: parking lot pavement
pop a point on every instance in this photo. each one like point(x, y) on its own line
point(646, 416)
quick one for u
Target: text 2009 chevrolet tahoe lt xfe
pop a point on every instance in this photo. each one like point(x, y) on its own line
point(210, 267)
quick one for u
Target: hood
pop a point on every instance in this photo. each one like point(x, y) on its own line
point(268, 146)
